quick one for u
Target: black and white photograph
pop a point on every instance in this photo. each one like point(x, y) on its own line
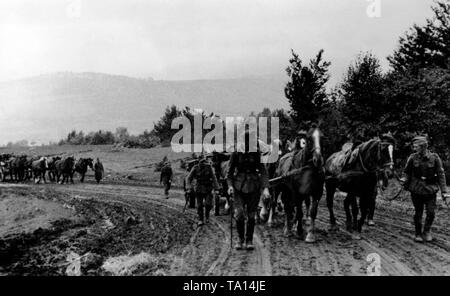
point(224, 138)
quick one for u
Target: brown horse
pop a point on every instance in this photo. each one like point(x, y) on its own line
point(38, 168)
point(52, 168)
point(356, 174)
point(17, 168)
point(64, 168)
point(82, 165)
point(303, 181)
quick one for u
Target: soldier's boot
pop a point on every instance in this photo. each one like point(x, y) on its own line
point(427, 233)
point(427, 228)
point(207, 211)
point(371, 222)
point(240, 225)
point(249, 235)
point(200, 216)
point(418, 228)
point(217, 205)
point(418, 239)
point(427, 236)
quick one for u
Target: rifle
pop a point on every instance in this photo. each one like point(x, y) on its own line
point(231, 220)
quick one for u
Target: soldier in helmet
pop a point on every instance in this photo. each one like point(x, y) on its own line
point(166, 177)
point(206, 181)
point(246, 178)
point(424, 176)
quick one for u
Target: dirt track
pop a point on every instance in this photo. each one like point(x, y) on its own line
point(113, 220)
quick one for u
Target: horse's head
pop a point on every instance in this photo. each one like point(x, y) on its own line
point(377, 154)
point(314, 146)
point(386, 158)
point(90, 163)
point(44, 160)
point(69, 162)
point(265, 208)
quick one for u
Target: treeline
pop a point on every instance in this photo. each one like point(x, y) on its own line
point(120, 137)
point(412, 98)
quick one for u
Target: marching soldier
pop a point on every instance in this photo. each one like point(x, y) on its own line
point(206, 181)
point(166, 177)
point(99, 170)
point(424, 175)
point(246, 178)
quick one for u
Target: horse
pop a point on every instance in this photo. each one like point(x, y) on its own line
point(29, 168)
point(64, 168)
point(17, 166)
point(82, 165)
point(39, 167)
point(269, 206)
point(302, 181)
point(355, 172)
point(51, 167)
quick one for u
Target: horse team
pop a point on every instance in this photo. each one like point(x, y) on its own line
point(61, 170)
point(301, 174)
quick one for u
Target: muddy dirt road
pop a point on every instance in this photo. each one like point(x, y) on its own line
point(129, 229)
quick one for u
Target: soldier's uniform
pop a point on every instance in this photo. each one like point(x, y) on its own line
point(166, 178)
point(206, 181)
point(99, 170)
point(424, 176)
point(247, 176)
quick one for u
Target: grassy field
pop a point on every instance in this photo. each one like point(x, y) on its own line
point(119, 163)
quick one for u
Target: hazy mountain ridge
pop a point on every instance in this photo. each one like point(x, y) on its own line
point(47, 107)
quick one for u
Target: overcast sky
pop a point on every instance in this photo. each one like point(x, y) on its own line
point(195, 39)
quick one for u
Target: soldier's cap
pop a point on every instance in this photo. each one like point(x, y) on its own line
point(302, 134)
point(420, 140)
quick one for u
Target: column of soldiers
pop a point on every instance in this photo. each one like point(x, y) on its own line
point(247, 179)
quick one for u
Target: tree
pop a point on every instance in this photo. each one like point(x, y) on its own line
point(332, 125)
point(425, 46)
point(122, 134)
point(286, 124)
point(163, 128)
point(418, 87)
point(362, 100)
point(420, 104)
point(306, 89)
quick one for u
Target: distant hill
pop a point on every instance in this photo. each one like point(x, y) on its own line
point(47, 107)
